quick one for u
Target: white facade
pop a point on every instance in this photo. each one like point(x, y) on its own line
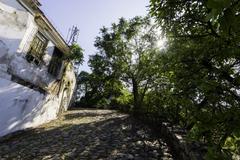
point(29, 94)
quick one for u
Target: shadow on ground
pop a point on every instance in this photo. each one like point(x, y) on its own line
point(88, 113)
point(87, 134)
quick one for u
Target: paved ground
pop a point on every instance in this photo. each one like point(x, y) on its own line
point(87, 135)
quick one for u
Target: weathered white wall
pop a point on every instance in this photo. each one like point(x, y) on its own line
point(30, 72)
point(72, 79)
point(48, 53)
point(69, 78)
point(13, 4)
point(21, 107)
point(14, 24)
point(17, 29)
point(3, 58)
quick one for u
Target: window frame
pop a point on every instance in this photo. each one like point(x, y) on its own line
point(37, 49)
point(56, 64)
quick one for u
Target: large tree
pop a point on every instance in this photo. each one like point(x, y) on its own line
point(204, 49)
point(99, 87)
point(129, 48)
point(198, 18)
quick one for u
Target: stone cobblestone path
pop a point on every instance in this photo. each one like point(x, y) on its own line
point(87, 135)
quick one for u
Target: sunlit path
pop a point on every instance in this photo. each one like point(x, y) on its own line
point(87, 134)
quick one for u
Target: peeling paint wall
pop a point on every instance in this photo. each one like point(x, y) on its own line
point(17, 30)
point(21, 106)
point(14, 4)
point(69, 85)
point(29, 72)
point(14, 24)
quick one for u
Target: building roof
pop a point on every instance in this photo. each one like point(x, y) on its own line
point(42, 20)
point(37, 2)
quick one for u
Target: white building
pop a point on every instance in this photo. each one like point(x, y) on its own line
point(35, 83)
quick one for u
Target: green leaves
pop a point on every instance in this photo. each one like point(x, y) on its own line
point(196, 19)
point(218, 4)
point(194, 81)
point(76, 54)
point(203, 54)
point(129, 49)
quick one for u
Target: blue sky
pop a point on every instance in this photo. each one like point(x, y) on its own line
point(90, 16)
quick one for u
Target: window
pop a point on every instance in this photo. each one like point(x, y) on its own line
point(55, 65)
point(37, 48)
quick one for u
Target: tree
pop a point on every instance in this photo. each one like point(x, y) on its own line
point(98, 88)
point(198, 18)
point(204, 58)
point(75, 56)
point(129, 48)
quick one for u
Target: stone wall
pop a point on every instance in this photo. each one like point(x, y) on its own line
point(175, 136)
point(184, 149)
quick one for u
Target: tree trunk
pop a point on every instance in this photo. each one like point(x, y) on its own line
point(136, 96)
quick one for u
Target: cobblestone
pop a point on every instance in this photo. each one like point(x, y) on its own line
point(87, 135)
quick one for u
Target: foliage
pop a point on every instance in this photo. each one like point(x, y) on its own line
point(203, 56)
point(129, 48)
point(198, 18)
point(75, 56)
point(194, 81)
point(124, 101)
point(99, 88)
